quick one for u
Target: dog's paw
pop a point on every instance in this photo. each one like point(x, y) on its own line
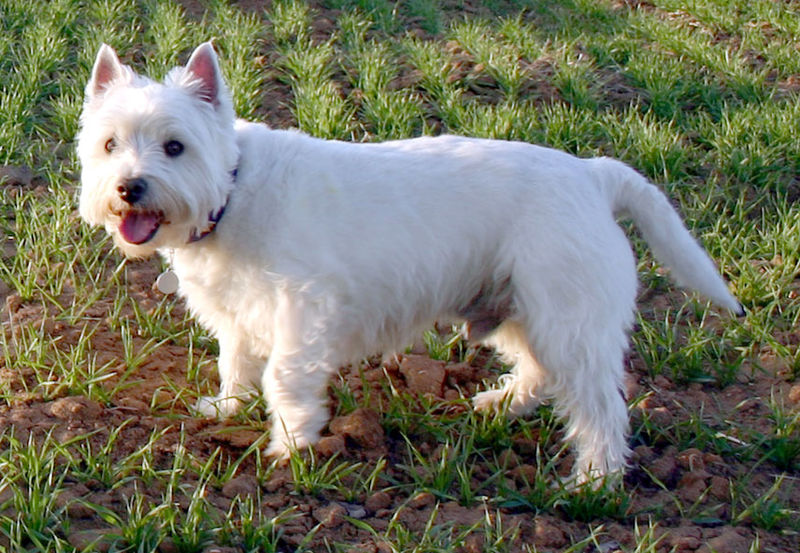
point(278, 450)
point(281, 448)
point(508, 398)
point(592, 479)
point(496, 400)
point(502, 401)
point(218, 407)
point(490, 401)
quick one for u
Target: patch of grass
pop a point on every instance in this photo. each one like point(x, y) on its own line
point(389, 114)
point(315, 476)
point(442, 346)
point(650, 145)
point(448, 473)
point(768, 510)
point(576, 80)
point(500, 60)
point(249, 526)
point(169, 36)
point(782, 445)
point(572, 129)
point(687, 345)
point(291, 22)
point(407, 415)
point(382, 13)
point(238, 38)
point(592, 502)
point(319, 105)
point(428, 13)
point(32, 476)
point(754, 143)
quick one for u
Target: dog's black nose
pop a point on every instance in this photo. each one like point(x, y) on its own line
point(132, 190)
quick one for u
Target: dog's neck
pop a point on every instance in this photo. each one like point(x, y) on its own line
point(213, 217)
point(168, 281)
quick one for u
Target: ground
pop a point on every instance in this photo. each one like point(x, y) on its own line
point(686, 492)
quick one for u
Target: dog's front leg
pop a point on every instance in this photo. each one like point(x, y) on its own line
point(306, 351)
point(239, 374)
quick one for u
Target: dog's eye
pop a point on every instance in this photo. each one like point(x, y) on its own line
point(173, 148)
point(110, 145)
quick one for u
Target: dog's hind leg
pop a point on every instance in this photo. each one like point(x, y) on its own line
point(584, 377)
point(577, 325)
point(521, 389)
point(587, 390)
point(574, 305)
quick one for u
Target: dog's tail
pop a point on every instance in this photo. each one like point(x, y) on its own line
point(630, 193)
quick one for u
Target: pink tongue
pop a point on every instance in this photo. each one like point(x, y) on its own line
point(138, 227)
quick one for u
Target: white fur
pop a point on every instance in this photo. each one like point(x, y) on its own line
point(331, 251)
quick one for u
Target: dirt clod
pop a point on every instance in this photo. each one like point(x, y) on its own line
point(693, 485)
point(691, 459)
point(421, 500)
point(794, 394)
point(71, 500)
point(377, 501)
point(423, 375)
point(328, 446)
point(75, 408)
point(524, 474)
point(728, 541)
point(474, 543)
point(16, 175)
point(548, 532)
point(168, 545)
point(132, 405)
point(720, 488)
point(240, 438)
point(362, 426)
point(13, 303)
point(98, 540)
point(355, 511)
point(242, 486)
point(684, 538)
point(330, 516)
point(665, 467)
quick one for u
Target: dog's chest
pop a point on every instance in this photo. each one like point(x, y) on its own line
point(228, 297)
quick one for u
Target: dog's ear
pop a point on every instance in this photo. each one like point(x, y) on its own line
point(107, 69)
point(204, 68)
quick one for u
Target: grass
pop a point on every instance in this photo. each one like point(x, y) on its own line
point(701, 97)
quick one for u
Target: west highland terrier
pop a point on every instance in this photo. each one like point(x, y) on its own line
point(303, 255)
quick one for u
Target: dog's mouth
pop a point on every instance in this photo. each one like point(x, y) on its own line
point(138, 227)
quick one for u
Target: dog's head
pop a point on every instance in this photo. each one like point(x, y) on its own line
point(157, 159)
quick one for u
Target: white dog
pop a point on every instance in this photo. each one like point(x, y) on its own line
point(303, 255)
